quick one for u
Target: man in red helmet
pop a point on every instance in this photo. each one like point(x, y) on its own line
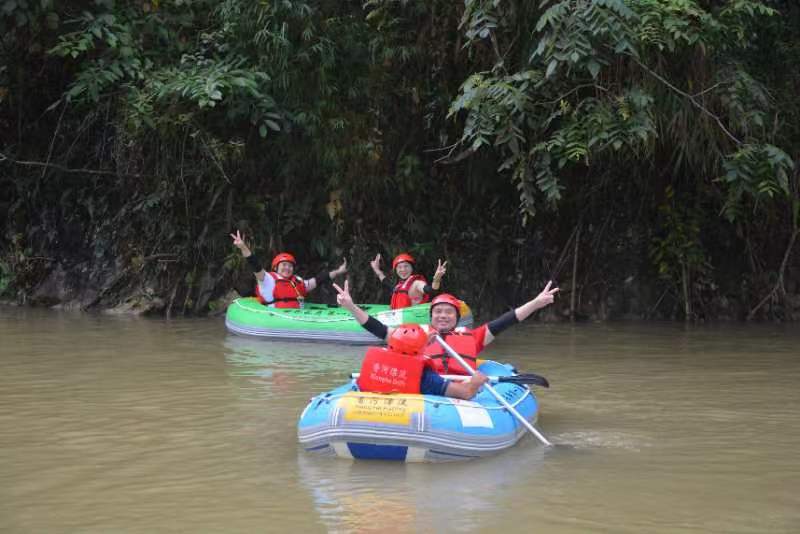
point(281, 288)
point(445, 312)
point(411, 288)
point(402, 368)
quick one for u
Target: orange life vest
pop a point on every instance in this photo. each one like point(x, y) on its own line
point(386, 371)
point(463, 342)
point(287, 292)
point(400, 297)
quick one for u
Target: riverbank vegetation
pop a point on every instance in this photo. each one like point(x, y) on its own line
point(640, 152)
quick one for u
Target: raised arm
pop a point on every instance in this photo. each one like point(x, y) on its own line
point(371, 324)
point(420, 288)
point(545, 298)
point(324, 276)
point(510, 318)
point(252, 259)
point(376, 268)
point(441, 269)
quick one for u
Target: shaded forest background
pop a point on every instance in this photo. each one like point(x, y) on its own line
point(639, 152)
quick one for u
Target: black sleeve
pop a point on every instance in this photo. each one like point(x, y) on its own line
point(375, 327)
point(254, 263)
point(387, 283)
point(504, 321)
point(428, 289)
point(323, 276)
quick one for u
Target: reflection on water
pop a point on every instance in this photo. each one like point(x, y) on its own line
point(248, 356)
point(262, 369)
point(376, 496)
point(132, 425)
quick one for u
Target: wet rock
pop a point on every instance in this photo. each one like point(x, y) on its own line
point(53, 290)
point(205, 291)
point(219, 306)
point(64, 288)
point(142, 303)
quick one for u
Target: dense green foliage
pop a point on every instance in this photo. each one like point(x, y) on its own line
point(651, 141)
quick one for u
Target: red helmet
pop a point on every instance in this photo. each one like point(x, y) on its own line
point(402, 257)
point(447, 298)
point(283, 256)
point(408, 339)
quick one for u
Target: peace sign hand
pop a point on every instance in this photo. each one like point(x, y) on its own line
point(441, 269)
point(343, 298)
point(376, 264)
point(238, 239)
point(546, 297)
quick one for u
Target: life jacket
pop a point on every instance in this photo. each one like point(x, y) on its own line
point(463, 342)
point(287, 292)
point(400, 296)
point(386, 371)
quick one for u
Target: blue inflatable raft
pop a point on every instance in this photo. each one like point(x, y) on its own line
point(348, 423)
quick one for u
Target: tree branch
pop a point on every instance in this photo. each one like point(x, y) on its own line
point(689, 97)
point(779, 283)
point(61, 168)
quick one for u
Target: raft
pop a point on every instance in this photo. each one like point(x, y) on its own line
point(321, 322)
point(348, 423)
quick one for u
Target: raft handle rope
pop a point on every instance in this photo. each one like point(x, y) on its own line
point(438, 400)
point(294, 317)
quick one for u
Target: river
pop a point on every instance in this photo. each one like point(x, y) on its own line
point(118, 424)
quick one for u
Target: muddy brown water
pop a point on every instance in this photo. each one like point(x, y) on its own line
point(132, 425)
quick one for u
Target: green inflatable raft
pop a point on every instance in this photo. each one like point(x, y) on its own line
point(321, 322)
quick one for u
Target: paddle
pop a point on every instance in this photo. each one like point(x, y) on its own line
point(523, 379)
point(493, 391)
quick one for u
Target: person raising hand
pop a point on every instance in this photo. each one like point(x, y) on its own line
point(411, 288)
point(444, 314)
point(281, 287)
